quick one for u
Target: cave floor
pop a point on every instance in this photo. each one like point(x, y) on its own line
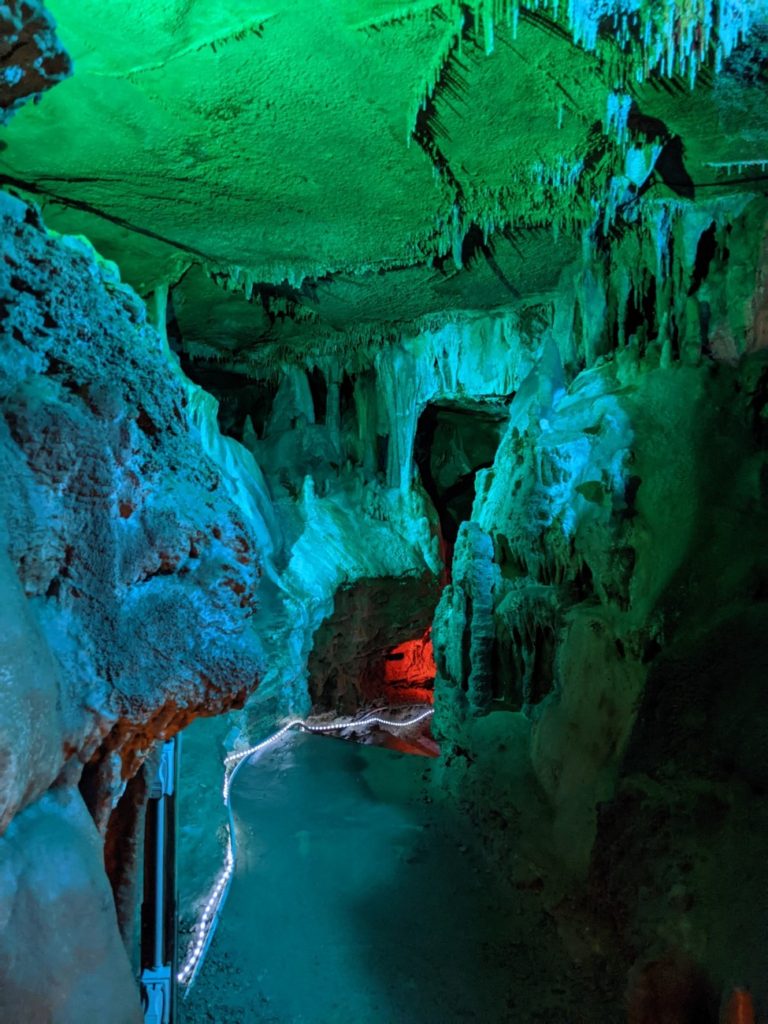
point(358, 896)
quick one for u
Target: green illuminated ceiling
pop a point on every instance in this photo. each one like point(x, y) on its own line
point(272, 143)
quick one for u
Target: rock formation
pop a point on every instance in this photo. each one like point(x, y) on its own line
point(504, 379)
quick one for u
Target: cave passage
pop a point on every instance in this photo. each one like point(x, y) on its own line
point(355, 898)
point(376, 645)
point(453, 442)
point(383, 358)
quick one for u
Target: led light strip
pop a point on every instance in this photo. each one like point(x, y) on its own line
point(206, 923)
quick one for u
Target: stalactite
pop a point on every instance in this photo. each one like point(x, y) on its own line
point(730, 167)
point(425, 90)
point(617, 114)
point(669, 37)
point(457, 239)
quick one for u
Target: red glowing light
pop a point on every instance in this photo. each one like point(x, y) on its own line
point(409, 670)
point(740, 1008)
point(411, 662)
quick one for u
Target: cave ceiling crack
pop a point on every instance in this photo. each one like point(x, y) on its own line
point(398, 16)
point(253, 27)
point(79, 204)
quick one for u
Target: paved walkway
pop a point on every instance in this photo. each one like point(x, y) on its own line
point(356, 900)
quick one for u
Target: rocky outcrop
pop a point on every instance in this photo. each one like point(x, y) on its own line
point(612, 534)
point(624, 513)
point(31, 57)
point(130, 576)
point(602, 504)
point(61, 956)
point(133, 558)
point(464, 629)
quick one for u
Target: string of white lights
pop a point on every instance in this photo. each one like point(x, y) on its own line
point(209, 918)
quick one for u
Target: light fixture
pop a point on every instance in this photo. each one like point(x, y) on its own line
point(209, 918)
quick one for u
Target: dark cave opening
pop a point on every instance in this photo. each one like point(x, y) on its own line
point(347, 406)
point(239, 397)
point(360, 660)
point(640, 316)
point(381, 447)
point(705, 253)
point(318, 386)
point(123, 843)
point(452, 443)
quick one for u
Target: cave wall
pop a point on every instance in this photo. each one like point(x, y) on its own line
point(679, 853)
point(604, 477)
point(61, 953)
point(130, 575)
point(611, 588)
point(118, 526)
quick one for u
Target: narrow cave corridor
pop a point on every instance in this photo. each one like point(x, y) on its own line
point(384, 437)
point(402, 934)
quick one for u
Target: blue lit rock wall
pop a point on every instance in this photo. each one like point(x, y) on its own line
point(625, 501)
point(132, 555)
point(62, 955)
point(619, 532)
point(613, 525)
point(130, 577)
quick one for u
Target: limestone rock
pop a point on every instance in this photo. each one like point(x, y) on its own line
point(61, 957)
point(31, 56)
point(133, 558)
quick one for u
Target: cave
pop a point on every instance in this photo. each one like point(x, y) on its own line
point(452, 443)
point(384, 438)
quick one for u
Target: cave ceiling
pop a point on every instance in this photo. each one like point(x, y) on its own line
point(346, 164)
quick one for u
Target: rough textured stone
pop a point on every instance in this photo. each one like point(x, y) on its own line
point(465, 627)
point(32, 727)
point(133, 558)
point(413, 140)
point(31, 56)
point(348, 666)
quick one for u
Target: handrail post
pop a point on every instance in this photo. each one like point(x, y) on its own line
point(158, 976)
